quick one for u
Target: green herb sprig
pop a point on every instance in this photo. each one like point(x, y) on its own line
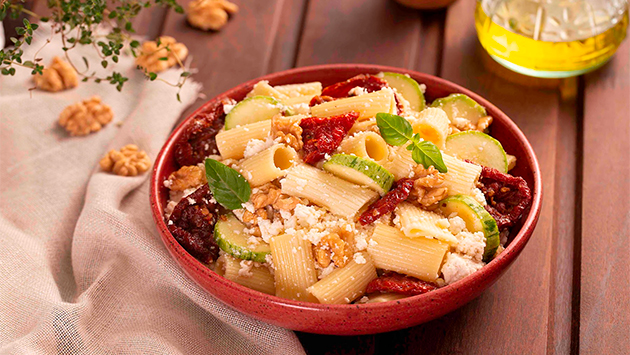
point(397, 131)
point(228, 186)
point(76, 22)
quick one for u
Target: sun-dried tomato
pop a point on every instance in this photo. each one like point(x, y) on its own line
point(318, 100)
point(322, 136)
point(198, 141)
point(192, 224)
point(387, 203)
point(393, 282)
point(369, 83)
point(508, 196)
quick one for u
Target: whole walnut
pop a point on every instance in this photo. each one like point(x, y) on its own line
point(59, 75)
point(129, 161)
point(151, 54)
point(210, 14)
point(85, 117)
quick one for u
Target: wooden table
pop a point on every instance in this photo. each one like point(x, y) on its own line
point(570, 289)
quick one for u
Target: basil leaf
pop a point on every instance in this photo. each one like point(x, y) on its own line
point(427, 154)
point(229, 188)
point(395, 130)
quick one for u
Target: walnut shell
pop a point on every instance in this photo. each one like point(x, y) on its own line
point(129, 161)
point(210, 14)
point(169, 48)
point(85, 117)
point(58, 76)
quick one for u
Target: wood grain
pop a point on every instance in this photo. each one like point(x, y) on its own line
point(605, 271)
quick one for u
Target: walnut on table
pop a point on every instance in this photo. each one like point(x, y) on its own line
point(151, 54)
point(287, 130)
point(58, 76)
point(85, 117)
point(428, 188)
point(210, 14)
point(129, 161)
point(187, 177)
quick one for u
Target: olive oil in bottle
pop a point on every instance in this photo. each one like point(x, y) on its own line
point(551, 38)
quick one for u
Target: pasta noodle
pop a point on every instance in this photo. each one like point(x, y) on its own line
point(346, 284)
point(305, 89)
point(232, 143)
point(263, 88)
point(339, 196)
point(416, 222)
point(461, 177)
point(366, 145)
point(433, 125)
point(367, 105)
point(294, 267)
point(390, 249)
point(269, 164)
point(400, 163)
point(260, 279)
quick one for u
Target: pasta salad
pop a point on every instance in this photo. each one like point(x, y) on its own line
point(357, 192)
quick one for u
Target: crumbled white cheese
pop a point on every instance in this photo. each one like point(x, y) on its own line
point(423, 88)
point(326, 271)
point(306, 215)
point(479, 196)
point(168, 183)
point(361, 242)
point(471, 244)
point(227, 108)
point(457, 267)
point(442, 223)
point(357, 91)
point(269, 229)
point(170, 206)
point(460, 121)
point(253, 241)
point(363, 299)
point(456, 224)
point(249, 206)
point(255, 146)
point(269, 263)
point(191, 200)
point(372, 243)
point(239, 213)
point(359, 258)
point(246, 268)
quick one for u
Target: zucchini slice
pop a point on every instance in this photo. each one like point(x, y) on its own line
point(231, 237)
point(253, 109)
point(477, 220)
point(407, 87)
point(479, 148)
point(360, 171)
point(460, 105)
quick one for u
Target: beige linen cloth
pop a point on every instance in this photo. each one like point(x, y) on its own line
point(82, 267)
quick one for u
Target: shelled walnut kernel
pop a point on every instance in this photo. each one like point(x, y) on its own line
point(129, 161)
point(210, 14)
point(187, 177)
point(151, 54)
point(85, 117)
point(58, 76)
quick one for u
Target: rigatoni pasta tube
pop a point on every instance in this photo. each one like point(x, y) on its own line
point(339, 196)
point(345, 284)
point(258, 278)
point(399, 162)
point(461, 177)
point(368, 145)
point(432, 124)
point(294, 266)
point(367, 105)
point(391, 250)
point(262, 88)
point(232, 143)
point(416, 222)
point(305, 89)
point(269, 164)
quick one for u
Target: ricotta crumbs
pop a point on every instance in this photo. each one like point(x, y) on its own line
point(255, 146)
point(457, 267)
point(359, 258)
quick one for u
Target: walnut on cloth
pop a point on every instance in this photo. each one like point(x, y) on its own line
point(129, 161)
point(210, 14)
point(85, 117)
point(151, 54)
point(58, 76)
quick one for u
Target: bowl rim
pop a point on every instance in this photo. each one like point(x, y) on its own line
point(500, 263)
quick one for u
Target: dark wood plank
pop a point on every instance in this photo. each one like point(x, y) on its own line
point(605, 281)
point(517, 315)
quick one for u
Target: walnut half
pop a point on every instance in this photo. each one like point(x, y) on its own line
point(129, 161)
point(85, 117)
point(59, 75)
point(151, 54)
point(210, 14)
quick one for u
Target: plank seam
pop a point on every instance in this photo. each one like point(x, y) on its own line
point(300, 34)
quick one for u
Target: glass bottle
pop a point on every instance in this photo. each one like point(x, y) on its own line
point(551, 38)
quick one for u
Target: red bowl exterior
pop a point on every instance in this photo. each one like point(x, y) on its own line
point(357, 318)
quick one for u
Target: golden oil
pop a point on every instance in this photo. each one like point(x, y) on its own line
point(551, 38)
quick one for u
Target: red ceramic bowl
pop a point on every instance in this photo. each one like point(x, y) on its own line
point(356, 318)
